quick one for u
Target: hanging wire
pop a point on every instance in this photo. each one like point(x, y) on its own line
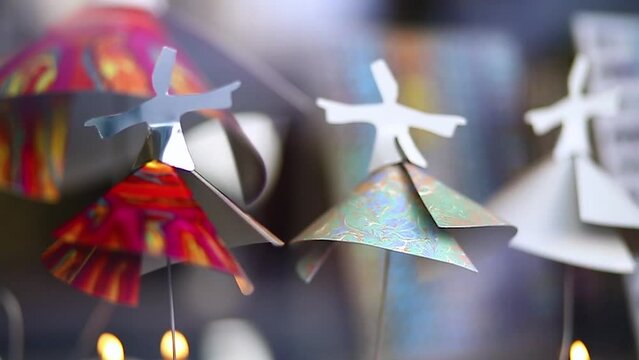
point(172, 310)
point(379, 334)
point(15, 324)
point(569, 311)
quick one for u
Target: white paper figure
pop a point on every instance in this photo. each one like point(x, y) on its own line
point(162, 114)
point(392, 121)
point(573, 113)
point(556, 205)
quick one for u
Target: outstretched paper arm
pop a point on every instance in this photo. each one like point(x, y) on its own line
point(340, 113)
point(162, 71)
point(604, 104)
point(110, 125)
point(547, 118)
point(220, 98)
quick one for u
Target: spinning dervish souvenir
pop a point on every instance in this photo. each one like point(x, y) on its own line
point(566, 208)
point(164, 210)
point(96, 61)
point(400, 207)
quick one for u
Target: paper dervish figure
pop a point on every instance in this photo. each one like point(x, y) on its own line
point(163, 211)
point(566, 208)
point(99, 60)
point(400, 207)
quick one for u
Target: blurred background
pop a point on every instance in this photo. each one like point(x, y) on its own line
point(488, 60)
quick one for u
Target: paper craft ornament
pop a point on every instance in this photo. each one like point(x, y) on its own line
point(400, 207)
point(158, 211)
point(566, 208)
point(150, 213)
point(97, 61)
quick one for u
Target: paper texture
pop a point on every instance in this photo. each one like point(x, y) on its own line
point(33, 143)
point(543, 204)
point(449, 208)
point(451, 216)
point(385, 211)
point(109, 50)
point(151, 212)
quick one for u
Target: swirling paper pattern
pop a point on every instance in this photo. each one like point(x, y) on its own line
point(98, 49)
point(449, 208)
point(151, 212)
point(33, 142)
point(385, 211)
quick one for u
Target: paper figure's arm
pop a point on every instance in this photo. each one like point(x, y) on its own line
point(604, 103)
point(438, 124)
point(341, 113)
point(110, 125)
point(545, 119)
point(220, 98)
point(162, 71)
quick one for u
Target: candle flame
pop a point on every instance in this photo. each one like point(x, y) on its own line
point(578, 351)
point(181, 346)
point(109, 347)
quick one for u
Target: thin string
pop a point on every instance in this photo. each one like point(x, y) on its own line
point(379, 334)
point(172, 310)
point(569, 309)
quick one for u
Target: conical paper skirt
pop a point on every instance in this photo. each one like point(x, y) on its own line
point(152, 213)
point(543, 205)
point(400, 208)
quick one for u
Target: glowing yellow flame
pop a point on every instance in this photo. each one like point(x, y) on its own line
point(181, 346)
point(578, 351)
point(109, 347)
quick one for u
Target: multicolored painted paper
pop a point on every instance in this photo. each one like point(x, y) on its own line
point(33, 138)
point(152, 212)
point(449, 208)
point(107, 50)
point(385, 211)
point(100, 49)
